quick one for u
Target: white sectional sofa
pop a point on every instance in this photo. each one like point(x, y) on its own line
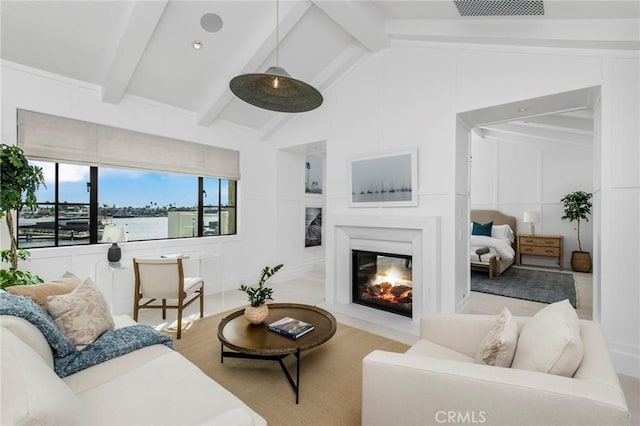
point(150, 386)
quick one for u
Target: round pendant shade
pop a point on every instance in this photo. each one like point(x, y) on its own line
point(275, 90)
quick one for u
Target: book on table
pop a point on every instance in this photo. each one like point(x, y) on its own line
point(291, 327)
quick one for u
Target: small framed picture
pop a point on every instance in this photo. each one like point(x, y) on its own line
point(385, 180)
point(313, 174)
point(313, 227)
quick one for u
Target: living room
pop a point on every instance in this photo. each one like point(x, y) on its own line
point(389, 83)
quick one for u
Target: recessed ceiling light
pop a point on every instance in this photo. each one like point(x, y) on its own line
point(197, 45)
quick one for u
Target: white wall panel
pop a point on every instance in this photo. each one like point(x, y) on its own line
point(518, 173)
point(626, 123)
point(492, 76)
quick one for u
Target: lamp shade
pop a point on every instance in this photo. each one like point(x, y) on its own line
point(531, 217)
point(114, 234)
point(276, 90)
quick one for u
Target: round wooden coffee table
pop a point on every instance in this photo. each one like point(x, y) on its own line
point(258, 342)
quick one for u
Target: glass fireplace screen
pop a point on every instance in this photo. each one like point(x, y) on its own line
point(383, 281)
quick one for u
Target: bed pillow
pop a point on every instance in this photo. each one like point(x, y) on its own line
point(483, 229)
point(82, 315)
point(502, 232)
point(39, 292)
point(550, 341)
point(499, 344)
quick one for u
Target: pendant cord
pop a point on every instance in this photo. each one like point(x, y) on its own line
point(277, 32)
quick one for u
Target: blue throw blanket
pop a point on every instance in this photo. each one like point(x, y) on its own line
point(66, 358)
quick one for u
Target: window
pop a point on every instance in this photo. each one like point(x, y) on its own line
point(79, 201)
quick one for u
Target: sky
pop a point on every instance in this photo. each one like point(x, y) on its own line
point(123, 187)
point(388, 172)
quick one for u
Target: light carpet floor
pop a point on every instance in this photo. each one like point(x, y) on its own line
point(330, 375)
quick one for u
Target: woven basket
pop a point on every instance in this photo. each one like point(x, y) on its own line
point(581, 261)
point(256, 315)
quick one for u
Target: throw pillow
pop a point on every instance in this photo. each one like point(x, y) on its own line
point(82, 315)
point(550, 341)
point(482, 229)
point(39, 292)
point(499, 344)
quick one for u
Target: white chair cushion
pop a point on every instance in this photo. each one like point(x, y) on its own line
point(32, 394)
point(550, 341)
point(192, 284)
point(499, 344)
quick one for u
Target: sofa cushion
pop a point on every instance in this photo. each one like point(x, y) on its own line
point(30, 335)
point(148, 390)
point(39, 292)
point(433, 350)
point(550, 341)
point(32, 394)
point(81, 315)
point(499, 344)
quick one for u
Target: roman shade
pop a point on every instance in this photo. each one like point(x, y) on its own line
point(52, 138)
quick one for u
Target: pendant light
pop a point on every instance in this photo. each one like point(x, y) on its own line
point(275, 89)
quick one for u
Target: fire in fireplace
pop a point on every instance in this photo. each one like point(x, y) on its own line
point(383, 281)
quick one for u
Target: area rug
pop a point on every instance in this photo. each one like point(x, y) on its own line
point(527, 284)
point(330, 375)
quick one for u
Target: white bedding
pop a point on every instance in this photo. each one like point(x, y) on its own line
point(501, 248)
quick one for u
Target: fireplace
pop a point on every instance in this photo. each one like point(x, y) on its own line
point(383, 281)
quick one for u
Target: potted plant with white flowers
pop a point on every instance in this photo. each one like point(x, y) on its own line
point(258, 296)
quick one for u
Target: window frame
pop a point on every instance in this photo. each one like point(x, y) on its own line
point(93, 204)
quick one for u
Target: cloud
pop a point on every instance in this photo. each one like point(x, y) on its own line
point(67, 172)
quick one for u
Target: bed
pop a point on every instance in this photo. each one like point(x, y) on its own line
point(497, 252)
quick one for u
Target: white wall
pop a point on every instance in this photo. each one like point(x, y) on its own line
point(514, 177)
point(409, 95)
point(243, 255)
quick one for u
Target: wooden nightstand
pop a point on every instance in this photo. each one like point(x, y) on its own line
point(541, 245)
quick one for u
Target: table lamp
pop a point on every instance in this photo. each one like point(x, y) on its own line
point(114, 234)
point(531, 218)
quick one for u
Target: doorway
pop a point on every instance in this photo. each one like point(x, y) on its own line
point(530, 122)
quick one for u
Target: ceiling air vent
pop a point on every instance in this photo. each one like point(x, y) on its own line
point(499, 7)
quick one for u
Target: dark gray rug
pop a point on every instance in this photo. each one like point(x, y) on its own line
point(527, 284)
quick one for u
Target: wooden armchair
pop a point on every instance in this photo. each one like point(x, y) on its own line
point(163, 279)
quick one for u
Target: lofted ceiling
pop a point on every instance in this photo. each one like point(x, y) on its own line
point(144, 48)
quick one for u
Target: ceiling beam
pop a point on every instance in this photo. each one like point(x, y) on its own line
point(578, 125)
point(142, 23)
point(220, 92)
point(514, 130)
point(573, 33)
point(361, 19)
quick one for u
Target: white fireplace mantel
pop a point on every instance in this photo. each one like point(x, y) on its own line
point(420, 233)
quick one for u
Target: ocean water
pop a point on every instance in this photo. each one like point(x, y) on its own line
point(138, 228)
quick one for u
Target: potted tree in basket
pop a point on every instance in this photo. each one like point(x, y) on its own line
point(577, 207)
point(19, 182)
point(258, 309)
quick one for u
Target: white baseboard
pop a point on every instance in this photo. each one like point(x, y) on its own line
point(626, 363)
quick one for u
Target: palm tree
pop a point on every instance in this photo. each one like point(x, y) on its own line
point(308, 165)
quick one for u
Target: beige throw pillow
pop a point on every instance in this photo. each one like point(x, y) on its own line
point(82, 315)
point(550, 341)
point(499, 344)
point(39, 292)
